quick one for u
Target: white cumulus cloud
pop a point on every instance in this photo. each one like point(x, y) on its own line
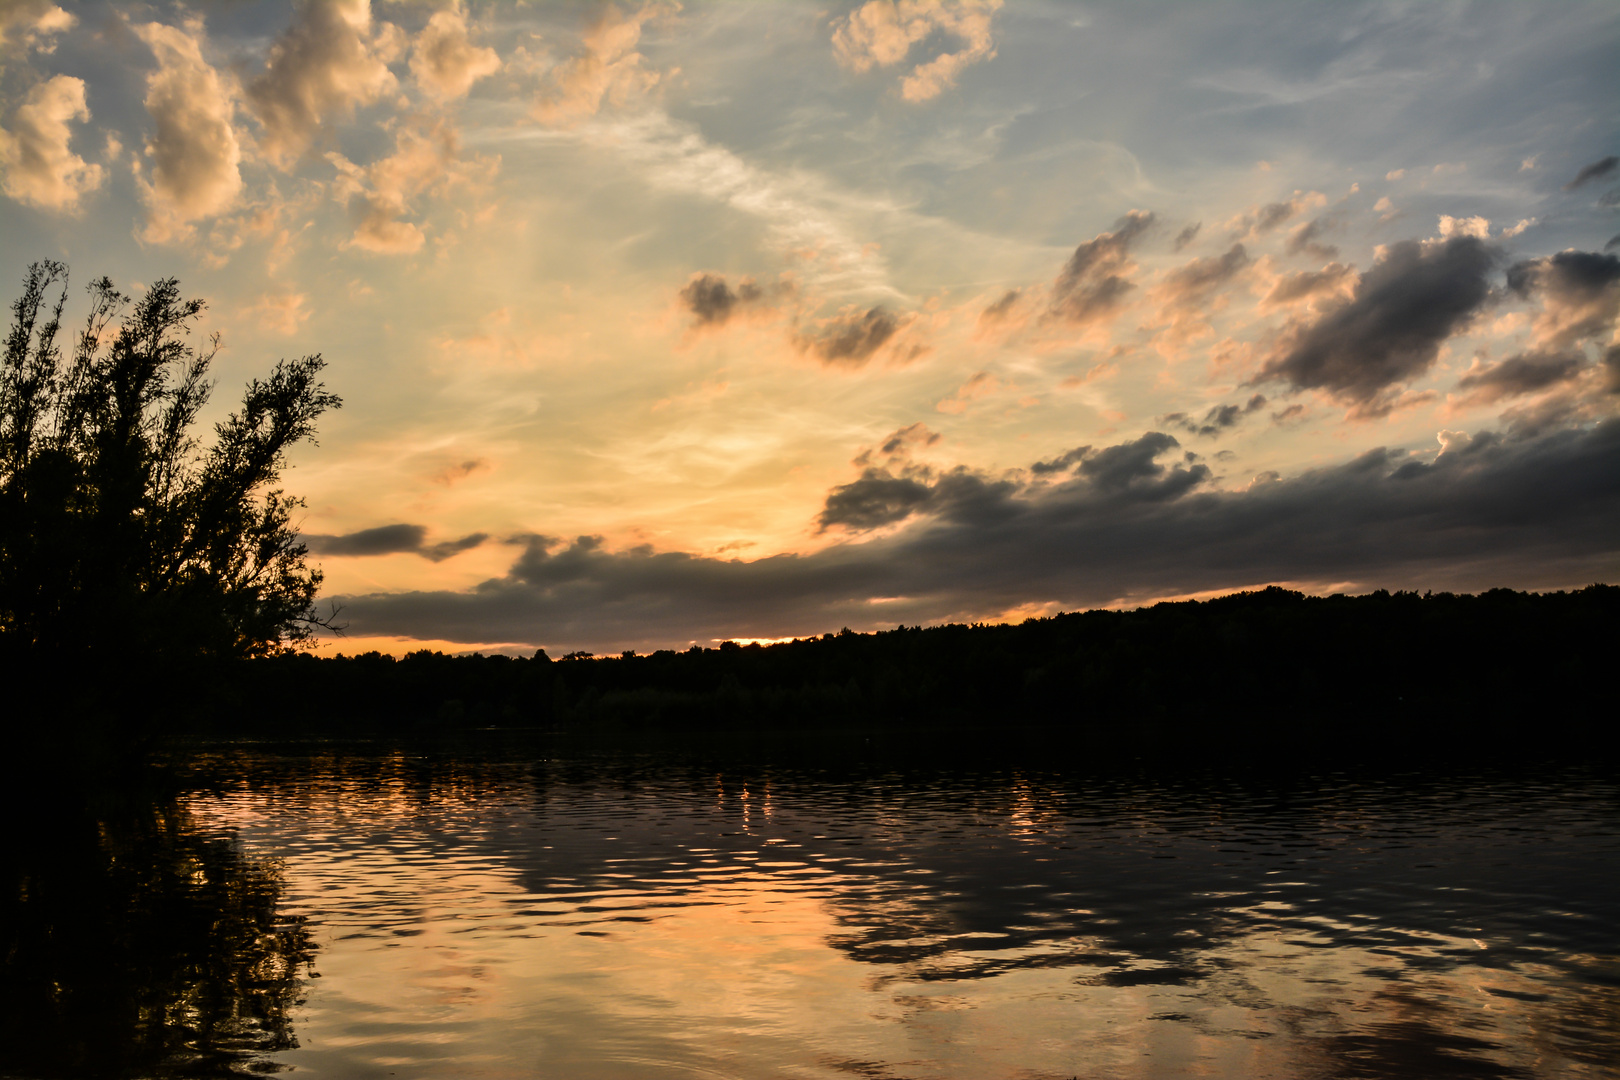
point(1477, 227)
point(41, 168)
point(332, 58)
point(33, 24)
point(193, 152)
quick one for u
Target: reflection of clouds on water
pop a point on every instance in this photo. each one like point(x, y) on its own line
point(973, 923)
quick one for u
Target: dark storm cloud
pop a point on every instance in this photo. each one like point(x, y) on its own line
point(877, 498)
point(713, 301)
point(1192, 283)
point(1062, 463)
point(1522, 374)
point(392, 540)
point(1580, 291)
point(1568, 275)
point(1129, 471)
point(383, 540)
point(1306, 239)
point(1410, 302)
point(1612, 243)
point(1274, 214)
point(1595, 171)
point(852, 338)
point(1132, 470)
point(999, 310)
point(1093, 283)
point(1187, 235)
point(1218, 419)
point(880, 498)
point(443, 550)
point(1539, 512)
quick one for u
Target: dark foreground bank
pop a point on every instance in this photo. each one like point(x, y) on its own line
point(1501, 671)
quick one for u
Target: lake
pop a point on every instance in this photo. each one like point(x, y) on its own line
point(557, 908)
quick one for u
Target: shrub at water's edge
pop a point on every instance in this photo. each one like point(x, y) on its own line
point(133, 559)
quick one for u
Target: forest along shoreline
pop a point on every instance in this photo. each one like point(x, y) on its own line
point(1500, 674)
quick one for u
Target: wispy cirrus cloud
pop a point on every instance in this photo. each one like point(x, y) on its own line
point(805, 217)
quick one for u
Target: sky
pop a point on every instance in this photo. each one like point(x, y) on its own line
point(666, 324)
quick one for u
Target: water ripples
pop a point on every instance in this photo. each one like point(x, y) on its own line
point(631, 917)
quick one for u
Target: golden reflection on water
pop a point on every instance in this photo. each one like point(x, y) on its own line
point(506, 923)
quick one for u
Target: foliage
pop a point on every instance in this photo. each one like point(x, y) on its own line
point(123, 540)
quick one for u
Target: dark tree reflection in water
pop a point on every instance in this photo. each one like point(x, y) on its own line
point(136, 943)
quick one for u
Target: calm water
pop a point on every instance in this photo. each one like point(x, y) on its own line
point(566, 914)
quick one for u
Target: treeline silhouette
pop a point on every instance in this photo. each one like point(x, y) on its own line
point(1504, 668)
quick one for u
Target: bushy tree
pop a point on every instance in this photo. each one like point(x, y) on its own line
point(123, 539)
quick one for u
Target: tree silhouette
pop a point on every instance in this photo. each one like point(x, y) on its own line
point(124, 541)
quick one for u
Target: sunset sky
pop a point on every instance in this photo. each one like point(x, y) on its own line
point(675, 323)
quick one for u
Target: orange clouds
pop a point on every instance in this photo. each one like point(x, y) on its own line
point(881, 33)
point(1334, 282)
point(980, 385)
point(282, 314)
point(424, 157)
point(610, 68)
point(1188, 295)
point(444, 62)
point(1260, 220)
